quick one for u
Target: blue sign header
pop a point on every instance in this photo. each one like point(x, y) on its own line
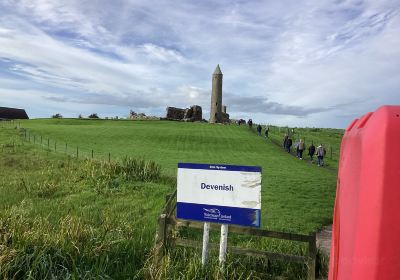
point(220, 167)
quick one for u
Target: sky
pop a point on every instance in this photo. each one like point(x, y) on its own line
point(290, 62)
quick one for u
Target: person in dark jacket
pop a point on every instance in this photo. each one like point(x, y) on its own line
point(289, 143)
point(311, 151)
point(259, 130)
point(285, 141)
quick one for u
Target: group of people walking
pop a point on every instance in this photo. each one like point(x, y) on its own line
point(300, 146)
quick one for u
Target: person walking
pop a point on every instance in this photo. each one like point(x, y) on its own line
point(300, 149)
point(296, 146)
point(285, 141)
point(289, 143)
point(259, 130)
point(266, 131)
point(320, 154)
point(311, 152)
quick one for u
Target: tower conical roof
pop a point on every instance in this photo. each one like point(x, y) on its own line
point(217, 71)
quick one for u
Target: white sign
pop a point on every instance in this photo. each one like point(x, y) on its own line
point(228, 194)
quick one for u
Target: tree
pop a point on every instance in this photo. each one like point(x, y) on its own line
point(57, 116)
point(93, 116)
point(80, 116)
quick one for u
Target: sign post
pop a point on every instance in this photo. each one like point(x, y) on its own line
point(217, 193)
point(206, 235)
point(223, 244)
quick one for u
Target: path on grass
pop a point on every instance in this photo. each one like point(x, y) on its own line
point(324, 239)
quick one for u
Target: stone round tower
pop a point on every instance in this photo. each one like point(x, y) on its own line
point(216, 97)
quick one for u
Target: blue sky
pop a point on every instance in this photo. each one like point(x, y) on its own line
point(297, 63)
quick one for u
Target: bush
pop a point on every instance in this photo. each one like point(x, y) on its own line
point(109, 175)
point(57, 116)
point(93, 116)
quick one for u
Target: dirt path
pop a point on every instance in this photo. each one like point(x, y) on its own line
point(324, 239)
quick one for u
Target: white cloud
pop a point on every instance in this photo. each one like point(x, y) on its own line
point(321, 60)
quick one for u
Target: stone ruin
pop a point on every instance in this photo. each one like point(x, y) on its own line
point(192, 114)
point(141, 116)
point(224, 115)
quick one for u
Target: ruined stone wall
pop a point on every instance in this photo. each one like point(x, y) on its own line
point(192, 114)
point(174, 113)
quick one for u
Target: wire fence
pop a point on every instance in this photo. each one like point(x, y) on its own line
point(53, 145)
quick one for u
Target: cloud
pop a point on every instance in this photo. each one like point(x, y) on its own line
point(259, 104)
point(293, 62)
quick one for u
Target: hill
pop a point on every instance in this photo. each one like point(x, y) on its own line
point(48, 197)
point(298, 186)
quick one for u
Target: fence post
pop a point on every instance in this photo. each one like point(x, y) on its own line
point(92, 154)
point(312, 254)
point(77, 152)
point(48, 143)
point(161, 237)
point(66, 148)
point(109, 157)
point(55, 145)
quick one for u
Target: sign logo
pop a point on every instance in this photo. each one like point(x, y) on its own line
point(215, 214)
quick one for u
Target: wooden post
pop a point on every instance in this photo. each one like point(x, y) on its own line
point(223, 245)
point(312, 253)
point(55, 145)
point(92, 154)
point(66, 148)
point(161, 237)
point(206, 237)
point(48, 143)
point(77, 152)
point(109, 157)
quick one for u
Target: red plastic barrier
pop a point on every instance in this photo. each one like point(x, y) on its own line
point(366, 227)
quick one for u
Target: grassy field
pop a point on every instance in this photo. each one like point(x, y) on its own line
point(76, 218)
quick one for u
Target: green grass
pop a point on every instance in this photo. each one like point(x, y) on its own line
point(76, 218)
point(296, 196)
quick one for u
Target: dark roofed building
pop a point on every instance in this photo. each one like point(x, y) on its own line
point(12, 114)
